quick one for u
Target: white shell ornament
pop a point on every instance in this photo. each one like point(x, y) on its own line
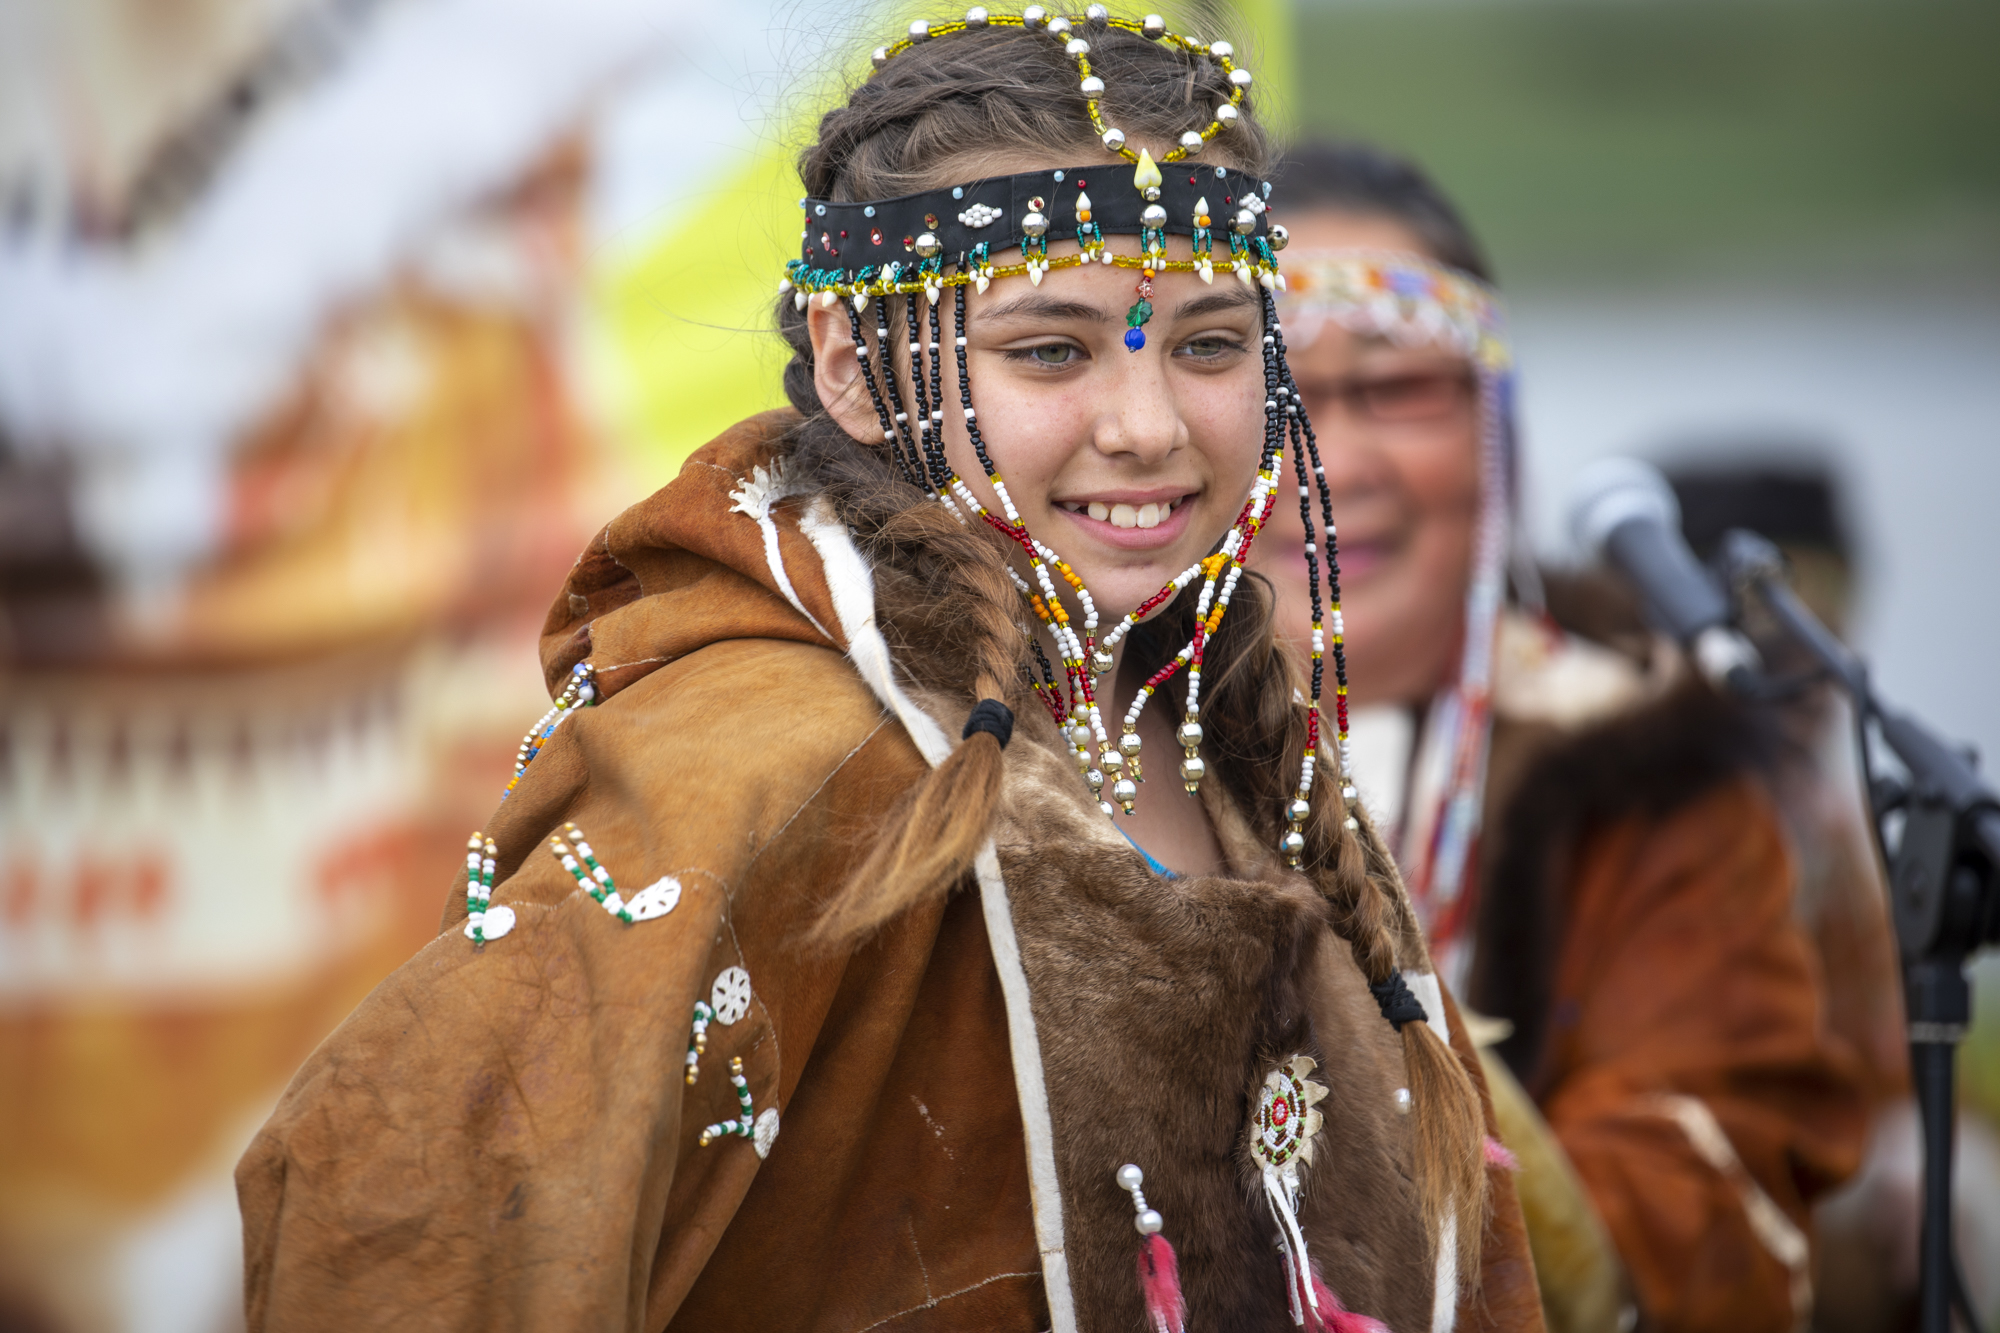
point(730, 996)
point(657, 899)
point(499, 920)
point(766, 1132)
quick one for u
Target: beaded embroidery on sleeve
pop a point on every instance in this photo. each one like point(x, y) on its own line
point(949, 238)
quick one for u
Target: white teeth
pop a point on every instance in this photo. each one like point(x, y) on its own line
point(1149, 516)
point(1100, 511)
point(1124, 516)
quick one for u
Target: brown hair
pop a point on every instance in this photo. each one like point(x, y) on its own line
point(943, 111)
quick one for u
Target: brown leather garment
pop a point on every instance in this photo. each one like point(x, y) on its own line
point(501, 1137)
point(1637, 929)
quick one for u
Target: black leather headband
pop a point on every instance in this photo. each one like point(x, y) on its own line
point(865, 234)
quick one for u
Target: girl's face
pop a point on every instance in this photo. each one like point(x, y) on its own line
point(1130, 465)
point(1398, 431)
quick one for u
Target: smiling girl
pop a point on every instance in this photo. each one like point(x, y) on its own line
point(920, 910)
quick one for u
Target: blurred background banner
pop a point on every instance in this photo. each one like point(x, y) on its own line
point(330, 329)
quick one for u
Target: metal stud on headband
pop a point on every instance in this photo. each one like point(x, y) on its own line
point(863, 253)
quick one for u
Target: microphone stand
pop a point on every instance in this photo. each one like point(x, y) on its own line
point(1944, 894)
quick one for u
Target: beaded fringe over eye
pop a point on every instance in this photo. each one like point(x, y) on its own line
point(849, 255)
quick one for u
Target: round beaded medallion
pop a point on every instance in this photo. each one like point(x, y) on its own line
point(730, 997)
point(1286, 1119)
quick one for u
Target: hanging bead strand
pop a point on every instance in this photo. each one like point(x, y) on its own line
point(578, 691)
point(479, 856)
point(596, 881)
point(892, 424)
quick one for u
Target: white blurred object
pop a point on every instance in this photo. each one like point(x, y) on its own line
point(145, 364)
point(1867, 1231)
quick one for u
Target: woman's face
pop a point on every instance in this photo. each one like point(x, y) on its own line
point(1130, 465)
point(1398, 431)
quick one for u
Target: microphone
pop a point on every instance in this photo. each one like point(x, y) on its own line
point(1624, 513)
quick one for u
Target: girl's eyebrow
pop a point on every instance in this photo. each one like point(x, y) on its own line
point(1040, 307)
point(1215, 303)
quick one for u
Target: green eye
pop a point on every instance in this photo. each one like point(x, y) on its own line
point(1053, 354)
point(1207, 347)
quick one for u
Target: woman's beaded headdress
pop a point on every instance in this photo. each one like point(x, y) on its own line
point(1413, 301)
point(866, 253)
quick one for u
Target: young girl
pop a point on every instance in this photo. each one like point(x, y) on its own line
point(855, 948)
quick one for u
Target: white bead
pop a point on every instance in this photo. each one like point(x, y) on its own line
point(1076, 46)
point(1092, 86)
point(920, 31)
point(1097, 14)
point(1221, 49)
point(1033, 15)
point(1403, 1101)
point(1154, 26)
point(1058, 26)
point(1240, 77)
point(976, 16)
point(1226, 113)
point(880, 56)
point(1149, 1222)
point(1114, 139)
point(1130, 1177)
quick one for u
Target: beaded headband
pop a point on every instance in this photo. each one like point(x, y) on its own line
point(871, 252)
point(1405, 298)
point(899, 247)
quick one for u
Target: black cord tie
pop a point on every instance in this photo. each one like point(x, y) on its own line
point(993, 717)
point(1399, 1006)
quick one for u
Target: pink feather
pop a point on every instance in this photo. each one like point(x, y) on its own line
point(1160, 1284)
point(1335, 1317)
point(1498, 1155)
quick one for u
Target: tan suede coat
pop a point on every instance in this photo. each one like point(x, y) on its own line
point(502, 1138)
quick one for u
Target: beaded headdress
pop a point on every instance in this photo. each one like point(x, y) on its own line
point(865, 253)
point(1412, 301)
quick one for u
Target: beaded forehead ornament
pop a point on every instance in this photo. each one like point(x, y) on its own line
point(1414, 302)
point(872, 253)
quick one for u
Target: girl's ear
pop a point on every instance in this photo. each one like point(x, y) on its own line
point(837, 372)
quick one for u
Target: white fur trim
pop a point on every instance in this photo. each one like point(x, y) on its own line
point(852, 586)
point(1444, 1305)
point(1424, 985)
point(759, 491)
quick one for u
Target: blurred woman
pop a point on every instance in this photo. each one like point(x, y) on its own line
point(1582, 826)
